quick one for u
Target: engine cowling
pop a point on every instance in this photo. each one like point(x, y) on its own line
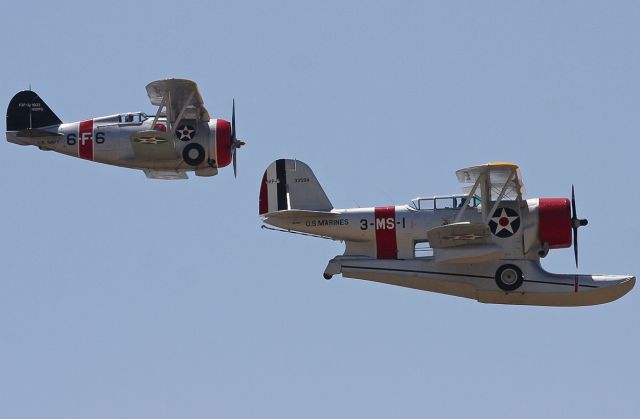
point(223, 142)
point(554, 222)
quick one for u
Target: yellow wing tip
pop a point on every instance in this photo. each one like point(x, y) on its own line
point(502, 163)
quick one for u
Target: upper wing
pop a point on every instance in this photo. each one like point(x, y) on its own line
point(180, 96)
point(497, 176)
point(463, 243)
point(296, 213)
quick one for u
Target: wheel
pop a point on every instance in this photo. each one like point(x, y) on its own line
point(193, 154)
point(509, 277)
point(327, 276)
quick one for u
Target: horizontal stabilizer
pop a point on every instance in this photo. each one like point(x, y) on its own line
point(37, 133)
point(298, 214)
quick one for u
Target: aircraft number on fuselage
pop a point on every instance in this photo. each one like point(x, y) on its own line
point(301, 180)
point(381, 224)
point(73, 138)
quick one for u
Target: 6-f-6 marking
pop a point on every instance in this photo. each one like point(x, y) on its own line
point(72, 138)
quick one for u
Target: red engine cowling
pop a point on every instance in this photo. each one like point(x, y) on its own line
point(555, 222)
point(223, 143)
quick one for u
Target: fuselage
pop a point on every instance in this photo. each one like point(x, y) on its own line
point(400, 231)
point(111, 139)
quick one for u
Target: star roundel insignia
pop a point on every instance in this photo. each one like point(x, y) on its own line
point(185, 132)
point(504, 223)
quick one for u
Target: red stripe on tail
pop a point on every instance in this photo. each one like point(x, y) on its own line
point(263, 201)
point(386, 242)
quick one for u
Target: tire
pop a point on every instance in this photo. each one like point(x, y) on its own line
point(509, 277)
point(189, 154)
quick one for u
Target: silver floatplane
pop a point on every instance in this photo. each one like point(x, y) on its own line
point(485, 244)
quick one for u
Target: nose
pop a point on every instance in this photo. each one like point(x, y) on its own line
point(223, 143)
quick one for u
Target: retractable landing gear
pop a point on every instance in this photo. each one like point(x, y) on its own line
point(327, 276)
point(193, 154)
point(509, 277)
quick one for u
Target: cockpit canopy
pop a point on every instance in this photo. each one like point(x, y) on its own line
point(129, 118)
point(443, 202)
point(133, 117)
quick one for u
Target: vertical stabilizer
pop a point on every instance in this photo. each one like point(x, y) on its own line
point(291, 184)
point(28, 111)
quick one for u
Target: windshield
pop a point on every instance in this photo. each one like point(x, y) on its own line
point(475, 202)
point(445, 202)
point(133, 118)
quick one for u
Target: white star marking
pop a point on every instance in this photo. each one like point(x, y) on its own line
point(182, 132)
point(500, 227)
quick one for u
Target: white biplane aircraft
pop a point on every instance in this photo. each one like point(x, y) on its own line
point(485, 244)
point(180, 137)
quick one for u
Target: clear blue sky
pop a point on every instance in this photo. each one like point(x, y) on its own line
point(122, 297)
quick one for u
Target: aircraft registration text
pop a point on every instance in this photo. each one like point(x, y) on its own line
point(323, 223)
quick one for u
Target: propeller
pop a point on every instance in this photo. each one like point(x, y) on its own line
point(235, 142)
point(575, 223)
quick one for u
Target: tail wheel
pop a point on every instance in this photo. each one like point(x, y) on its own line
point(509, 277)
point(193, 154)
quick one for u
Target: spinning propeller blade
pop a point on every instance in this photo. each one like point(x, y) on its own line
point(575, 223)
point(235, 143)
point(235, 164)
point(233, 119)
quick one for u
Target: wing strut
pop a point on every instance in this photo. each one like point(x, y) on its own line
point(467, 201)
point(184, 108)
point(159, 112)
point(500, 196)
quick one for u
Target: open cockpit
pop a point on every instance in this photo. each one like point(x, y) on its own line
point(442, 202)
point(129, 118)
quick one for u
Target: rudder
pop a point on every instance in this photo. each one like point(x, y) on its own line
point(28, 110)
point(291, 184)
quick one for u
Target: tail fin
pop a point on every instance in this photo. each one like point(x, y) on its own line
point(27, 110)
point(290, 184)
